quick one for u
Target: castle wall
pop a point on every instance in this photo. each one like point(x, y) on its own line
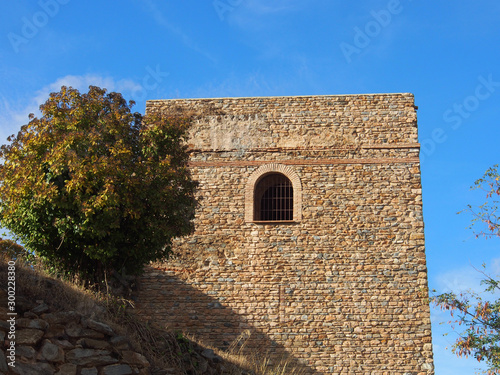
point(343, 289)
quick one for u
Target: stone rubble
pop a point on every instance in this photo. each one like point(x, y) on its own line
point(66, 343)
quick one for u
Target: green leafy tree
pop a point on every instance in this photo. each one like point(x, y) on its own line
point(93, 188)
point(480, 317)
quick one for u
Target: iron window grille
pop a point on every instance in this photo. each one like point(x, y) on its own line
point(273, 198)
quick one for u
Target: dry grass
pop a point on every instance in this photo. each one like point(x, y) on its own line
point(166, 350)
point(34, 284)
point(258, 363)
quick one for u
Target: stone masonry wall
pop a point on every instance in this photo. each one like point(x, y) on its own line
point(49, 342)
point(343, 290)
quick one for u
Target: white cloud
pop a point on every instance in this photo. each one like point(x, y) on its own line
point(495, 267)
point(82, 83)
point(467, 278)
point(459, 280)
point(14, 115)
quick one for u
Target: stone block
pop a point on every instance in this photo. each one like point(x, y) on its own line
point(90, 357)
point(117, 370)
point(28, 336)
point(100, 327)
point(51, 352)
point(67, 369)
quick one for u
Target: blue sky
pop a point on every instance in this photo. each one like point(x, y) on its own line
point(446, 53)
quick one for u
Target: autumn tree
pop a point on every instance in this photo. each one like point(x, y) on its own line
point(10, 250)
point(479, 316)
point(93, 188)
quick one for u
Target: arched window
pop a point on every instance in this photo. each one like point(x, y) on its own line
point(273, 200)
point(273, 193)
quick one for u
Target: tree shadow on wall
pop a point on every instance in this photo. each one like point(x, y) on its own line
point(164, 299)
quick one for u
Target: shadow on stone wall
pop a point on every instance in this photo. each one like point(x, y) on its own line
point(165, 299)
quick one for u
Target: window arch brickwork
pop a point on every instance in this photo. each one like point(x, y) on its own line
point(266, 169)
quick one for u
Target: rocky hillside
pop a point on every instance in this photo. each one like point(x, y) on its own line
point(59, 329)
point(65, 342)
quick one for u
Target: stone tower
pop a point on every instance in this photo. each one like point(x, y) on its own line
point(309, 236)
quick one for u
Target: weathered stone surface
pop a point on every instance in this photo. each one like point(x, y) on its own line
point(28, 336)
point(51, 352)
point(67, 369)
point(90, 357)
point(134, 358)
point(62, 317)
point(117, 370)
point(94, 344)
point(55, 331)
point(32, 323)
point(89, 371)
point(40, 309)
point(73, 329)
point(90, 333)
point(65, 344)
point(342, 282)
point(84, 353)
point(23, 305)
point(120, 342)
point(25, 351)
point(428, 366)
point(4, 326)
point(33, 369)
point(100, 327)
point(3, 362)
point(30, 315)
point(210, 354)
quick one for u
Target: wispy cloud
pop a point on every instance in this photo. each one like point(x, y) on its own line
point(495, 266)
point(262, 7)
point(467, 278)
point(162, 21)
point(253, 15)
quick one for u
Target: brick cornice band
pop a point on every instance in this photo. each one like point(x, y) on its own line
point(394, 146)
point(246, 163)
